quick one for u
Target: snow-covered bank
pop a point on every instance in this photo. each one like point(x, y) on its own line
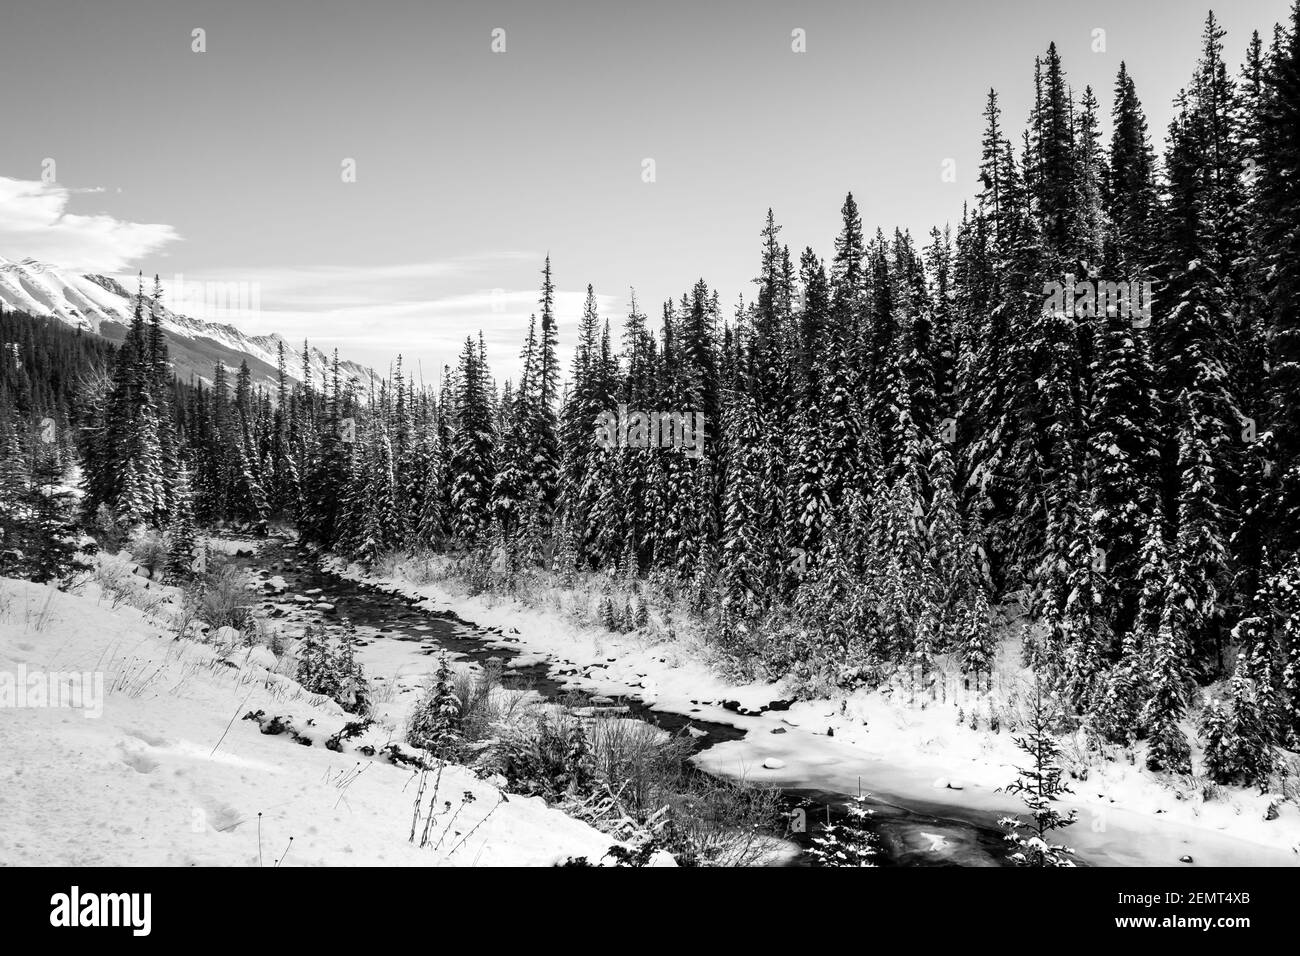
point(169, 773)
point(1145, 826)
point(899, 750)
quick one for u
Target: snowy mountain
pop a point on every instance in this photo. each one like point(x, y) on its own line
point(101, 305)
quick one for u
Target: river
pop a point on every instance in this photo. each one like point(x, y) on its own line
point(914, 824)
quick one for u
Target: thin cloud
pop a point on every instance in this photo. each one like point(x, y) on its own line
point(372, 313)
point(432, 331)
point(35, 223)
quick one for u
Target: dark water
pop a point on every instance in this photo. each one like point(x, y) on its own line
point(915, 834)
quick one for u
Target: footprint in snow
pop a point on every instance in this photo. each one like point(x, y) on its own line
point(139, 761)
point(145, 736)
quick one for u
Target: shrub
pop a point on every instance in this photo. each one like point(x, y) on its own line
point(638, 855)
point(717, 822)
point(633, 779)
point(484, 706)
point(436, 721)
point(149, 550)
point(109, 531)
point(1289, 778)
point(118, 583)
point(640, 760)
point(552, 759)
point(221, 597)
point(328, 666)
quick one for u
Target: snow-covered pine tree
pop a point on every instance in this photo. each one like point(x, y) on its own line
point(1085, 631)
point(132, 471)
point(510, 486)
point(847, 843)
point(1237, 739)
point(1090, 164)
point(381, 527)
point(950, 576)
point(1167, 747)
point(836, 366)
point(250, 502)
point(1123, 460)
point(542, 405)
point(159, 391)
point(1200, 557)
point(743, 587)
point(1131, 188)
point(1052, 173)
point(1119, 715)
point(436, 722)
point(473, 449)
point(1040, 786)
point(182, 535)
point(47, 533)
point(975, 638)
point(1277, 212)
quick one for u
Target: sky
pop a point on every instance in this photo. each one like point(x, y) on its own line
point(129, 149)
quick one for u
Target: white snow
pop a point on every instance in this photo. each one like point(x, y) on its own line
point(894, 747)
point(171, 775)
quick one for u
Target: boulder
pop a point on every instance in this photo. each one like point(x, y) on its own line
point(227, 635)
point(261, 656)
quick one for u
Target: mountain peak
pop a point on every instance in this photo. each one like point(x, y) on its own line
point(102, 305)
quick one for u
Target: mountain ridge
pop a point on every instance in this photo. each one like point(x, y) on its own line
point(101, 305)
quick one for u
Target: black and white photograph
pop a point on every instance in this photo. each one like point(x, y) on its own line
point(598, 435)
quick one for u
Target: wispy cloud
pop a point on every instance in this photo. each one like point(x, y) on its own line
point(423, 311)
point(435, 329)
point(35, 223)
